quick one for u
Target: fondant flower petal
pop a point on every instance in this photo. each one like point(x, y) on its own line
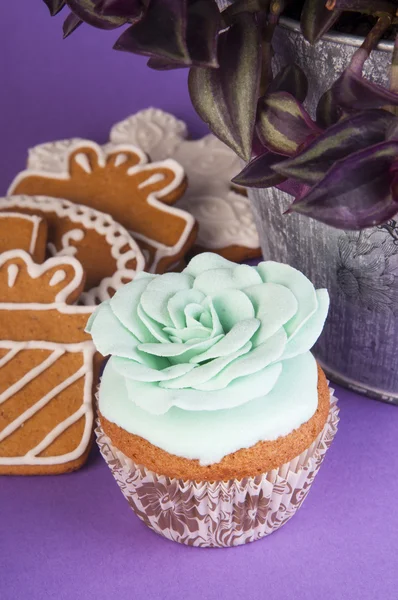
point(235, 339)
point(299, 284)
point(159, 291)
point(311, 330)
point(133, 370)
point(253, 362)
point(158, 400)
point(206, 262)
point(218, 280)
point(274, 306)
point(152, 326)
point(202, 373)
point(109, 335)
point(124, 304)
point(188, 333)
point(232, 306)
point(179, 301)
point(173, 350)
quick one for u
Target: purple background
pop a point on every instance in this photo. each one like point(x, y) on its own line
point(74, 537)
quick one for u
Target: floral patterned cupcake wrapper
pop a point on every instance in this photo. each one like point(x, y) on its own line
point(221, 513)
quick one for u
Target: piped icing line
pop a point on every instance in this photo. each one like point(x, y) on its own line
point(12, 273)
point(75, 235)
point(34, 219)
point(37, 270)
point(115, 235)
point(162, 251)
point(31, 458)
point(57, 278)
point(9, 356)
point(32, 374)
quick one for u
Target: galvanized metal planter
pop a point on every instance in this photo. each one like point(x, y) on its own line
point(359, 347)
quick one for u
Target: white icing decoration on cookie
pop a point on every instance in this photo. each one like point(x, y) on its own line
point(12, 274)
point(34, 270)
point(34, 219)
point(115, 235)
point(83, 162)
point(161, 251)
point(209, 166)
point(57, 277)
point(86, 409)
point(156, 178)
point(74, 235)
point(120, 159)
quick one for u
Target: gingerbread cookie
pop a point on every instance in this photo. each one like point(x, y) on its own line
point(27, 232)
point(46, 366)
point(120, 181)
point(223, 211)
point(109, 255)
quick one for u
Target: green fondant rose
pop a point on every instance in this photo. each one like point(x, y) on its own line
point(212, 337)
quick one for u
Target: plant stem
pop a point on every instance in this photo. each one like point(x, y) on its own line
point(369, 43)
point(275, 10)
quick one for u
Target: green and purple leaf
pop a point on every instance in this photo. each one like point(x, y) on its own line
point(226, 98)
point(70, 24)
point(316, 19)
point(161, 33)
point(357, 192)
point(54, 6)
point(203, 23)
point(290, 79)
point(87, 11)
point(258, 173)
point(348, 136)
point(127, 9)
point(283, 125)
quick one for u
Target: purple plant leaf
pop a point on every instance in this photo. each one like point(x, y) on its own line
point(339, 141)
point(316, 19)
point(353, 92)
point(258, 173)
point(202, 32)
point(130, 10)
point(70, 24)
point(226, 98)
point(283, 125)
point(87, 11)
point(291, 79)
point(327, 111)
point(356, 192)
point(161, 33)
point(54, 6)
point(203, 22)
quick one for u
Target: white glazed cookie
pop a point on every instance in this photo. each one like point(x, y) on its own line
point(118, 180)
point(46, 366)
point(225, 218)
point(109, 255)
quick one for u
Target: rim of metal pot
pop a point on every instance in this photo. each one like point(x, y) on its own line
point(335, 36)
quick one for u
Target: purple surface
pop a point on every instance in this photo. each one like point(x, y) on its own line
point(74, 537)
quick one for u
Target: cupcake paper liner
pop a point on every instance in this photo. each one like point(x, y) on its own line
point(221, 513)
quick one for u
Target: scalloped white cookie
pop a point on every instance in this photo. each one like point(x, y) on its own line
point(225, 218)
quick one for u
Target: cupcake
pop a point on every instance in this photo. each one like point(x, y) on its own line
point(214, 416)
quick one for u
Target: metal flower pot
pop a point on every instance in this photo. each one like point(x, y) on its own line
point(360, 269)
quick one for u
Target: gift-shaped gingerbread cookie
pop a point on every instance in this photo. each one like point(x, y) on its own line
point(24, 231)
point(120, 181)
point(109, 255)
point(46, 366)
